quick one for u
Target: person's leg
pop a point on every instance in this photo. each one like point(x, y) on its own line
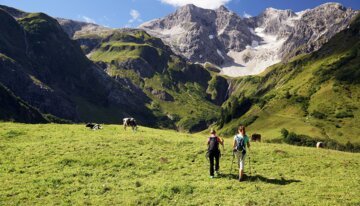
point(217, 162)
point(238, 156)
point(211, 158)
point(242, 164)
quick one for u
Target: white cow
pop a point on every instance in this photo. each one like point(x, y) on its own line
point(130, 122)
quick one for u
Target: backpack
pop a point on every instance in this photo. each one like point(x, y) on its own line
point(240, 144)
point(213, 144)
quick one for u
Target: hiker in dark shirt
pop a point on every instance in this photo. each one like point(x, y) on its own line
point(214, 152)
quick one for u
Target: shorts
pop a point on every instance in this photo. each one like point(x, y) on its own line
point(241, 159)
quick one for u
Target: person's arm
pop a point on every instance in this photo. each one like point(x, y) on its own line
point(234, 144)
point(221, 140)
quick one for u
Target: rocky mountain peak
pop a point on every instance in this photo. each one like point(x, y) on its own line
point(251, 44)
point(190, 9)
point(202, 34)
point(273, 13)
point(222, 8)
point(331, 5)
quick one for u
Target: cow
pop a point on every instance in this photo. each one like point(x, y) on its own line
point(93, 126)
point(256, 137)
point(319, 145)
point(130, 122)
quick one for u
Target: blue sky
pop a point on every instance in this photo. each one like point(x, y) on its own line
point(131, 13)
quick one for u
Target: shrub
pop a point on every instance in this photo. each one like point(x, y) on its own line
point(284, 132)
point(304, 140)
point(344, 114)
point(249, 120)
point(318, 115)
point(13, 134)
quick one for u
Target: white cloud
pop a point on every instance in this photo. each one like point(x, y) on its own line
point(88, 19)
point(207, 4)
point(246, 15)
point(135, 16)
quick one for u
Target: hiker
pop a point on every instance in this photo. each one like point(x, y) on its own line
point(241, 140)
point(214, 152)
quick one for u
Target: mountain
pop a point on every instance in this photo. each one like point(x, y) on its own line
point(79, 71)
point(84, 72)
point(42, 66)
point(243, 46)
point(202, 34)
point(182, 94)
point(316, 95)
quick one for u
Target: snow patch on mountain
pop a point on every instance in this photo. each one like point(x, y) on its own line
point(255, 58)
point(220, 54)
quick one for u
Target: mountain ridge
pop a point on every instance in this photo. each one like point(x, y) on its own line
point(244, 46)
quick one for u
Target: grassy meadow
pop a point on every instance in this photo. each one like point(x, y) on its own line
point(51, 164)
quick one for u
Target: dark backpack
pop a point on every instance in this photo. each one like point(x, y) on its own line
point(240, 144)
point(213, 144)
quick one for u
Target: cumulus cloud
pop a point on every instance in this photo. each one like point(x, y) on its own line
point(88, 19)
point(246, 15)
point(207, 4)
point(135, 16)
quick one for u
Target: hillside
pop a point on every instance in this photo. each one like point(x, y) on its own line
point(315, 95)
point(184, 96)
point(126, 72)
point(42, 66)
point(13, 109)
point(69, 164)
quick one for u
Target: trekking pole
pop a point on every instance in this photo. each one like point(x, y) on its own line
point(250, 165)
point(232, 162)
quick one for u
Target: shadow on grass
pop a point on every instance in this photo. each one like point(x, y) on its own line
point(255, 178)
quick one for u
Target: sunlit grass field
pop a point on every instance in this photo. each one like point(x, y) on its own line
point(55, 164)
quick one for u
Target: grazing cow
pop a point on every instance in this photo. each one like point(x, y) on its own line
point(94, 126)
point(256, 137)
point(130, 122)
point(319, 145)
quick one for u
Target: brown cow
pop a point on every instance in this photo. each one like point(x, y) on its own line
point(256, 137)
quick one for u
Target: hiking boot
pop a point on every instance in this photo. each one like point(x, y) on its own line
point(211, 176)
point(217, 173)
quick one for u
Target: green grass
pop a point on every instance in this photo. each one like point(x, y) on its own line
point(120, 51)
point(70, 165)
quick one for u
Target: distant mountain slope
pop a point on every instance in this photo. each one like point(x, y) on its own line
point(40, 64)
point(185, 95)
point(316, 94)
point(135, 74)
point(14, 109)
point(244, 46)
